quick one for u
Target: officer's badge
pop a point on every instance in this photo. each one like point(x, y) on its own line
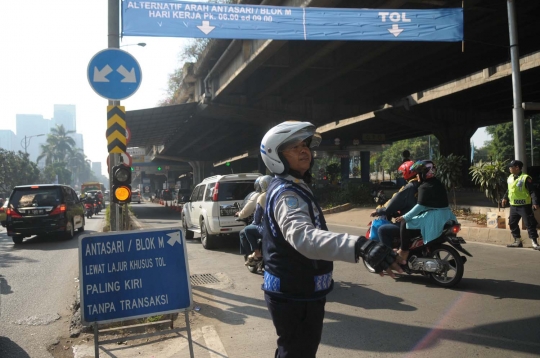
point(291, 202)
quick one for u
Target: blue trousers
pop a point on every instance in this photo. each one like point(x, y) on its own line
point(388, 232)
point(248, 239)
point(298, 325)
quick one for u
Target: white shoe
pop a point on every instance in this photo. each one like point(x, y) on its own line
point(535, 243)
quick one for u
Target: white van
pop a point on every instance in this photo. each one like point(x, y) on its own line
point(211, 207)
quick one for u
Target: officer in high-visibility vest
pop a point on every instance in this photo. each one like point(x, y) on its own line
point(522, 197)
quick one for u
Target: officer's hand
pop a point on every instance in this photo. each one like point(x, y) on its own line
point(535, 207)
point(377, 255)
point(503, 203)
point(373, 213)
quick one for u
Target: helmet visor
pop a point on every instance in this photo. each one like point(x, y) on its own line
point(312, 138)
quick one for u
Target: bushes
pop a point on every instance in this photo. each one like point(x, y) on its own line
point(354, 193)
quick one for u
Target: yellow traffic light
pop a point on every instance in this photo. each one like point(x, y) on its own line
point(122, 193)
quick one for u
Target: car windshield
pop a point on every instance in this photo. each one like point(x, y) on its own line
point(234, 191)
point(34, 197)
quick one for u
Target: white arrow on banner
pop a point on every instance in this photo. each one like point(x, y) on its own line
point(395, 30)
point(99, 76)
point(206, 28)
point(174, 237)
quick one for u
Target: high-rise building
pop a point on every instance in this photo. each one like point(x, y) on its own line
point(78, 138)
point(96, 168)
point(32, 130)
point(8, 140)
point(64, 114)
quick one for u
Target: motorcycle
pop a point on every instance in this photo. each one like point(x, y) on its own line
point(89, 210)
point(440, 262)
point(379, 197)
point(258, 266)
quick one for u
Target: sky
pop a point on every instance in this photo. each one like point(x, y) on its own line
point(46, 47)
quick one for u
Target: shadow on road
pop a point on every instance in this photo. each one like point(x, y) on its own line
point(10, 349)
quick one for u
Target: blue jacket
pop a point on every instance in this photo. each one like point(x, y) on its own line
point(430, 221)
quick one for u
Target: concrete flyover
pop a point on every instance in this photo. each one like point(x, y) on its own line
point(365, 93)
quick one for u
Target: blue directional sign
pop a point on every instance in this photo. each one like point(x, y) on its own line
point(114, 74)
point(231, 21)
point(132, 274)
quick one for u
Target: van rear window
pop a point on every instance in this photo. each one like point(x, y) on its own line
point(29, 197)
point(234, 191)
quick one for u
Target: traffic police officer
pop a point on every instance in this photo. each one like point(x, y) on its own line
point(298, 251)
point(522, 197)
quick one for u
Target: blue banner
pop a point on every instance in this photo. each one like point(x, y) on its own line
point(132, 274)
point(228, 21)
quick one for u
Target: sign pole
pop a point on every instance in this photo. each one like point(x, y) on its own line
point(96, 340)
point(190, 341)
point(113, 42)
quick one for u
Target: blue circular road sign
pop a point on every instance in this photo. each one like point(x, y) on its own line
point(114, 74)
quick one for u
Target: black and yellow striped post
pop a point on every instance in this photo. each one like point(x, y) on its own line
point(116, 129)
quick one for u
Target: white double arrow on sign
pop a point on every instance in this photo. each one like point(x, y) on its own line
point(101, 76)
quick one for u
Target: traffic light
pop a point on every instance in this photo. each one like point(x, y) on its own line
point(121, 189)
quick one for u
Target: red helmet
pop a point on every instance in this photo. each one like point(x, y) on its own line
point(405, 169)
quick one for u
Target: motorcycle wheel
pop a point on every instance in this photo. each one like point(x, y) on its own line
point(456, 268)
point(253, 269)
point(368, 266)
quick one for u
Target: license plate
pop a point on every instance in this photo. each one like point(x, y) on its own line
point(37, 212)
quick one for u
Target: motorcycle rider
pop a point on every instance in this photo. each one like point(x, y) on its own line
point(249, 206)
point(89, 200)
point(400, 203)
point(298, 249)
point(253, 232)
point(431, 212)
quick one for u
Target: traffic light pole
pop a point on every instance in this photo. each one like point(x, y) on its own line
point(114, 159)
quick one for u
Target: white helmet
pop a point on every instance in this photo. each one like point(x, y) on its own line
point(265, 182)
point(257, 184)
point(281, 135)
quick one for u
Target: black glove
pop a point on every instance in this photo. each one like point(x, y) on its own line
point(376, 254)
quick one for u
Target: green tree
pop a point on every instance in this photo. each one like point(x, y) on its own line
point(492, 178)
point(390, 159)
point(449, 172)
point(16, 169)
point(502, 143)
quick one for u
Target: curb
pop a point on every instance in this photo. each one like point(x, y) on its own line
point(338, 209)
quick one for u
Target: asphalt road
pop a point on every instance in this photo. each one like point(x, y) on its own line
point(38, 281)
point(494, 312)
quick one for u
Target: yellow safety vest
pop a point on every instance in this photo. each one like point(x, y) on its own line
point(517, 191)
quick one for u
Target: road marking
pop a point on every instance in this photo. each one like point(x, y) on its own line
point(213, 343)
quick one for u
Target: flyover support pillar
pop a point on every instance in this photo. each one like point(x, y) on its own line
point(457, 141)
point(364, 166)
point(345, 169)
point(201, 170)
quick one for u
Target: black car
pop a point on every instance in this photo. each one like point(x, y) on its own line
point(43, 209)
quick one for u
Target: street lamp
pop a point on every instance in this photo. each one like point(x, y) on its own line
point(142, 44)
point(26, 141)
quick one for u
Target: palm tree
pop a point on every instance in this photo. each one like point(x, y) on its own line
point(59, 145)
point(77, 162)
point(47, 152)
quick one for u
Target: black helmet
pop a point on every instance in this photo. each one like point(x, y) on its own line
point(425, 168)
